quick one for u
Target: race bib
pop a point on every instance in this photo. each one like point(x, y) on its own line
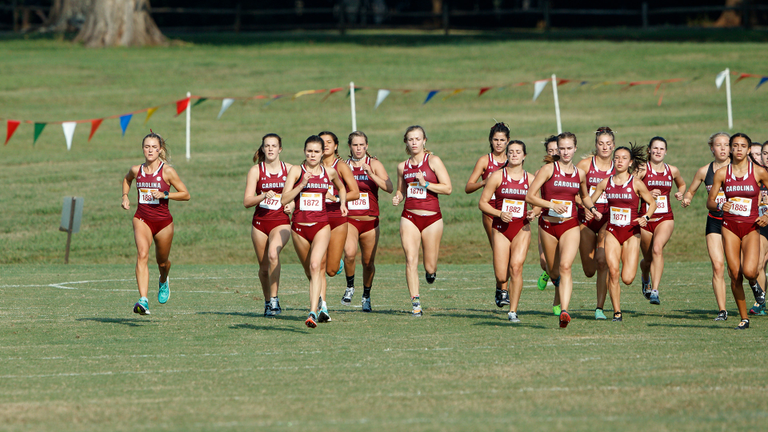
point(310, 201)
point(416, 191)
point(602, 199)
point(567, 213)
point(620, 216)
point(146, 197)
point(763, 209)
point(517, 208)
point(361, 203)
point(740, 206)
point(720, 198)
point(662, 205)
point(272, 203)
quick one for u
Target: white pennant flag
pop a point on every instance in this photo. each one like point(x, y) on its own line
point(538, 86)
point(226, 103)
point(69, 132)
point(380, 97)
point(720, 78)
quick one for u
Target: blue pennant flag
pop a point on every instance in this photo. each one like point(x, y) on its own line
point(430, 96)
point(124, 120)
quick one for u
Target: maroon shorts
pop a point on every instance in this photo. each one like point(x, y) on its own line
point(594, 224)
point(623, 233)
point(509, 229)
point(741, 229)
point(558, 229)
point(266, 226)
point(156, 225)
point(308, 231)
point(654, 222)
point(336, 221)
point(363, 226)
point(421, 222)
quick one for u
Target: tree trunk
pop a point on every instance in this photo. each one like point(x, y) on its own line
point(67, 15)
point(119, 23)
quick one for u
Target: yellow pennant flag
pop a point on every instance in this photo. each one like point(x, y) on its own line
point(149, 113)
point(454, 93)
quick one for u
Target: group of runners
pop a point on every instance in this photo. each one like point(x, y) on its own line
point(611, 207)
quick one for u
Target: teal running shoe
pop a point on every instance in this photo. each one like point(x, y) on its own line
point(142, 306)
point(556, 310)
point(543, 279)
point(323, 316)
point(341, 267)
point(599, 315)
point(164, 292)
point(757, 309)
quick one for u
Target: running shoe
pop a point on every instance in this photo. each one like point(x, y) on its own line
point(366, 304)
point(346, 299)
point(556, 310)
point(502, 297)
point(164, 292)
point(431, 277)
point(646, 288)
point(722, 316)
point(268, 312)
point(617, 317)
point(512, 316)
point(274, 303)
point(416, 312)
point(556, 282)
point(743, 325)
point(141, 307)
point(757, 309)
point(543, 279)
point(599, 315)
point(758, 292)
point(311, 321)
point(341, 267)
point(564, 319)
point(655, 297)
point(323, 316)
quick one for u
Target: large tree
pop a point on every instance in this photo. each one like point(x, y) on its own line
point(104, 23)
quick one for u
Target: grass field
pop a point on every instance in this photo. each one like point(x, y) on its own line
point(74, 357)
point(50, 80)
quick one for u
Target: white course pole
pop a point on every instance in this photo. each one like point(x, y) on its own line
point(557, 105)
point(189, 116)
point(352, 103)
point(728, 96)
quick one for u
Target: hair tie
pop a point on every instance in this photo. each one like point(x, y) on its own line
point(150, 131)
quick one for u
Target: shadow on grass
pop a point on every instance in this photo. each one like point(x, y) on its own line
point(506, 323)
point(131, 322)
point(709, 326)
point(268, 328)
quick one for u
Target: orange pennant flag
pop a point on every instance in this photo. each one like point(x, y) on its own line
point(94, 125)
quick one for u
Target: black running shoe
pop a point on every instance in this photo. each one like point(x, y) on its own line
point(743, 325)
point(758, 292)
point(431, 277)
point(722, 316)
point(617, 317)
point(502, 297)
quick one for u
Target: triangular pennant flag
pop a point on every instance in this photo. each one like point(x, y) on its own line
point(199, 101)
point(454, 93)
point(383, 93)
point(661, 96)
point(563, 81)
point(306, 92)
point(483, 90)
point(181, 105)
point(742, 76)
point(538, 86)
point(357, 89)
point(12, 125)
point(583, 83)
point(124, 120)
point(150, 111)
point(720, 78)
point(430, 96)
point(330, 92)
point(762, 80)
point(69, 132)
point(38, 130)
point(226, 103)
point(94, 125)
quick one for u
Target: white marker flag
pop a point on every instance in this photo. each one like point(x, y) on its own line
point(383, 93)
point(720, 78)
point(69, 132)
point(226, 103)
point(538, 86)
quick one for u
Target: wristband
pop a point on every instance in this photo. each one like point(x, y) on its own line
point(166, 194)
point(125, 193)
point(720, 207)
point(593, 208)
point(426, 184)
point(647, 218)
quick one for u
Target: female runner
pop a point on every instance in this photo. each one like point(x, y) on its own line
point(507, 188)
point(271, 226)
point(363, 216)
point(307, 185)
point(485, 166)
point(550, 147)
point(152, 220)
point(741, 240)
point(622, 243)
point(758, 309)
point(718, 145)
point(592, 246)
point(559, 182)
point(333, 261)
point(420, 178)
point(658, 178)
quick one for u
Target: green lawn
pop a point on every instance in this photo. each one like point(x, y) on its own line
point(74, 356)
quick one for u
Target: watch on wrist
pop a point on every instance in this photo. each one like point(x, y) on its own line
point(647, 218)
point(166, 194)
point(426, 184)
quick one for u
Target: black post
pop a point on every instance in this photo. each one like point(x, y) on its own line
point(69, 230)
point(446, 17)
point(238, 10)
point(342, 28)
point(745, 9)
point(547, 22)
point(644, 13)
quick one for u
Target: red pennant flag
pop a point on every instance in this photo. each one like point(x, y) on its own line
point(563, 81)
point(483, 90)
point(181, 105)
point(742, 76)
point(94, 125)
point(12, 125)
